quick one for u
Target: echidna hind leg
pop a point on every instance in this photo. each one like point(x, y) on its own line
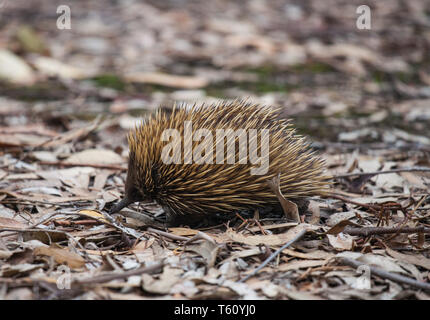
point(175, 220)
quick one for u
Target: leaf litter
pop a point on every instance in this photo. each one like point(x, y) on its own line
point(65, 111)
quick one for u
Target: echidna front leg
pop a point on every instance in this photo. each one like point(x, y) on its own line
point(120, 205)
point(175, 220)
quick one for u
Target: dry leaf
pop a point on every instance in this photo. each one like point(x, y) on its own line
point(290, 208)
point(314, 255)
point(95, 156)
point(164, 284)
point(93, 214)
point(11, 223)
point(15, 69)
point(314, 208)
point(270, 240)
point(416, 259)
point(386, 263)
point(341, 241)
point(183, 231)
point(21, 269)
point(300, 264)
point(207, 250)
point(73, 260)
point(52, 67)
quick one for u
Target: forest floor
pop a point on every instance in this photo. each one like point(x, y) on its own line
point(361, 96)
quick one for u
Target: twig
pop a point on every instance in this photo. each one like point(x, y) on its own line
point(275, 254)
point(49, 216)
point(131, 232)
point(68, 235)
point(142, 217)
point(167, 235)
point(94, 165)
point(198, 236)
point(364, 205)
point(27, 202)
point(322, 268)
point(68, 223)
point(260, 227)
point(112, 276)
point(374, 173)
point(368, 231)
point(386, 275)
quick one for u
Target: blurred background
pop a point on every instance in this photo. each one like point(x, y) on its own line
point(347, 87)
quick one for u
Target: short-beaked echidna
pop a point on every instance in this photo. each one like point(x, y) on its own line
point(197, 182)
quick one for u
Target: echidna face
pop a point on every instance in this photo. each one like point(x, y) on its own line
point(132, 193)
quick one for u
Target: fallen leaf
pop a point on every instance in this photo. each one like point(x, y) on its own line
point(416, 259)
point(300, 264)
point(5, 254)
point(386, 263)
point(93, 214)
point(270, 240)
point(143, 245)
point(14, 69)
point(52, 67)
point(314, 208)
point(11, 223)
point(164, 284)
point(101, 178)
point(339, 227)
point(341, 241)
point(207, 250)
point(313, 255)
point(8, 270)
point(183, 231)
point(291, 210)
point(73, 260)
point(95, 156)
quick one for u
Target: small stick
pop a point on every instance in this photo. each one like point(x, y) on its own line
point(167, 235)
point(94, 165)
point(46, 218)
point(374, 173)
point(368, 231)
point(364, 205)
point(129, 231)
point(323, 268)
point(260, 227)
point(112, 276)
point(67, 223)
point(387, 275)
point(198, 236)
point(274, 255)
point(68, 235)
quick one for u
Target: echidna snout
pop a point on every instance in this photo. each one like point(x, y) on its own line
point(132, 193)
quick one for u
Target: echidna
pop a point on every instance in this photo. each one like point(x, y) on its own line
point(218, 159)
